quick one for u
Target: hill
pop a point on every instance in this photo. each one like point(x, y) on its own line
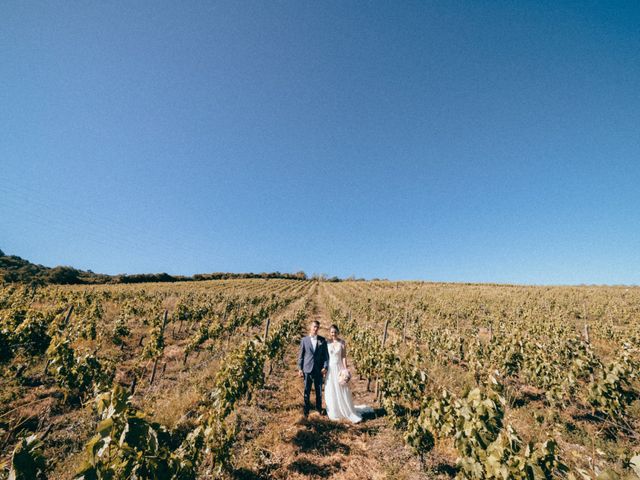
point(14, 269)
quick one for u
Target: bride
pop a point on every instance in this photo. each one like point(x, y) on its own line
point(337, 394)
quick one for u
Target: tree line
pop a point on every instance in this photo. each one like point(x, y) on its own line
point(14, 269)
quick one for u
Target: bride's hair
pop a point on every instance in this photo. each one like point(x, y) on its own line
point(335, 327)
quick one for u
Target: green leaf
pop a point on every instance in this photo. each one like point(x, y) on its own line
point(104, 426)
point(608, 475)
point(634, 463)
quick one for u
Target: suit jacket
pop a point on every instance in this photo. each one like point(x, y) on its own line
point(310, 360)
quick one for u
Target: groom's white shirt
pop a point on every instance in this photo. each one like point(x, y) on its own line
point(314, 341)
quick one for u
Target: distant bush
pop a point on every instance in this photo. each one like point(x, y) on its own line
point(63, 276)
point(147, 277)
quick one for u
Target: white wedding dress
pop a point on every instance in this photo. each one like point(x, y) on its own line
point(338, 397)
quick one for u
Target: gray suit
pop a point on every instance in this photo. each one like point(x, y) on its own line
point(311, 361)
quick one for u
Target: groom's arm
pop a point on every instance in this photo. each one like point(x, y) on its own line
point(301, 355)
point(325, 365)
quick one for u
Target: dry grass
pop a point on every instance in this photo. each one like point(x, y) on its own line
point(168, 401)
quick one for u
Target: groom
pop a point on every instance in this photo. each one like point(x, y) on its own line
point(313, 360)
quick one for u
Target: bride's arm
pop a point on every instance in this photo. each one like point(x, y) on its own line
point(344, 355)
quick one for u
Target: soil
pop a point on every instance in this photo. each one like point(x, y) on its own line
point(281, 443)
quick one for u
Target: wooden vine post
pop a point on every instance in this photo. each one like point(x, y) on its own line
point(384, 335)
point(264, 340)
point(586, 333)
point(134, 383)
point(378, 393)
point(66, 322)
point(266, 330)
point(404, 328)
point(155, 361)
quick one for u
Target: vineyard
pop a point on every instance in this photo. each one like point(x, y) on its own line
point(198, 380)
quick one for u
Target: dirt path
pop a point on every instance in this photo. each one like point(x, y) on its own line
point(280, 443)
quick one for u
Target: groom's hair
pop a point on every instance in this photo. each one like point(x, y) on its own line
point(315, 322)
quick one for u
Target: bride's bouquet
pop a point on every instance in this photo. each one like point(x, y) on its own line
point(344, 377)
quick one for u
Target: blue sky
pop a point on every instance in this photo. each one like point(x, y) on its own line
point(449, 141)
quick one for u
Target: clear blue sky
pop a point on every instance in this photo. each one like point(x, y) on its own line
point(456, 141)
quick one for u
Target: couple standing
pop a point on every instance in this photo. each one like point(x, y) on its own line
point(318, 357)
